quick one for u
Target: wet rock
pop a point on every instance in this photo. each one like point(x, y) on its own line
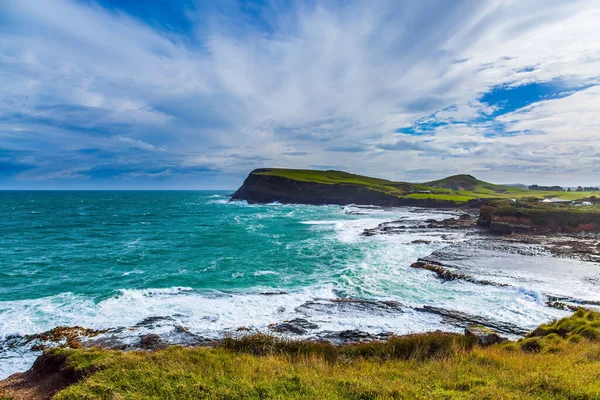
point(298, 326)
point(152, 342)
point(463, 320)
point(421, 241)
point(447, 275)
point(350, 305)
point(273, 293)
point(64, 336)
point(570, 303)
point(580, 246)
point(111, 342)
point(181, 329)
point(559, 305)
point(485, 336)
point(463, 222)
point(153, 321)
point(348, 336)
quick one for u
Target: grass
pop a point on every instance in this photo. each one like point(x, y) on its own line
point(559, 215)
point(583, 324)
point(548, 364)
point(457, 188)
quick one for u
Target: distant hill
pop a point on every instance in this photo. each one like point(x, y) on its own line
point(516, 185)
point(467, 183)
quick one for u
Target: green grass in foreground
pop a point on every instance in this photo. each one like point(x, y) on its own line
point(428, 366)
point(458, 188)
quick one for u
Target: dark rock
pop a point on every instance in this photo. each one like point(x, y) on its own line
point(485, 336)
point(351, 305)
point(447, 275)
point(348, 336)
point(298, 326)
point(153, 321)
point(272, 293)
point(421, 241)
point(463, 320)
point(111, 342)
point(152, 342)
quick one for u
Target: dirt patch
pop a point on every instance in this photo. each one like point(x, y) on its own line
point(47, 376)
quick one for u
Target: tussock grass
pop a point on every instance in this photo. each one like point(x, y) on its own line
point(483, 373)
point(583, 324)
point(418, 346)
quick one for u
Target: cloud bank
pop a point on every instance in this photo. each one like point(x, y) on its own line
point(102, 95)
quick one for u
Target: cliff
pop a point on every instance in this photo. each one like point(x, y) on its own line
point(301, 186)
point(540, 218)
point(331, 187)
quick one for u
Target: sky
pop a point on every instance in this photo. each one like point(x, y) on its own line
point(124, 94)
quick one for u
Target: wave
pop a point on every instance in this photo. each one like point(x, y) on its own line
point(260, 273)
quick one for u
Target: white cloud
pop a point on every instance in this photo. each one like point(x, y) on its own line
point(330, 76)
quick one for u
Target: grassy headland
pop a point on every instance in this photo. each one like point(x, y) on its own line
point(457, 188)
point(560, 360)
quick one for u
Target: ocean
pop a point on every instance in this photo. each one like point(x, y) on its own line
point(107, 259)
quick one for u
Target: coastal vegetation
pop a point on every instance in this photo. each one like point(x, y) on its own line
point(560, 360)
point(531, 215)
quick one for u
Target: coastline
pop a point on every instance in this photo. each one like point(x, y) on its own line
point(450, 263)
point(478, 354)
point(464, 246)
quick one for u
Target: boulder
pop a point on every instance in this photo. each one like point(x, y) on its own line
point(151, 342)
point(485, 336)
point(298, 326)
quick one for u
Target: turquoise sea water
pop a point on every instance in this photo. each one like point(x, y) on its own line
point(96, 243)
point(111, 259)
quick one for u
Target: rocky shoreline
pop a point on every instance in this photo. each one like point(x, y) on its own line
point(448, 264)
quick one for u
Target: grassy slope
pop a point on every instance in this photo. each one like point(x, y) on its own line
point(558, 361)
point(492, 373)
point(460, 188)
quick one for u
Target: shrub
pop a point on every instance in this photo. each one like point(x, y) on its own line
point(583, 323)
point(417, 346)
point(531, 345)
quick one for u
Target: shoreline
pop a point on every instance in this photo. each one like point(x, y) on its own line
point(61, 370)
point(560, 246)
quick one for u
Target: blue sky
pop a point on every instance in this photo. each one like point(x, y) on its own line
point(123, 94)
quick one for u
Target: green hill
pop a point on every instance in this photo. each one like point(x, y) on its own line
point(467, 183)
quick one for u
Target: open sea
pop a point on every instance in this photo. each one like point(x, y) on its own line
point(112, 259)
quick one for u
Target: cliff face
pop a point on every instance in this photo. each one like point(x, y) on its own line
point(258, 188)
point(539, 220)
